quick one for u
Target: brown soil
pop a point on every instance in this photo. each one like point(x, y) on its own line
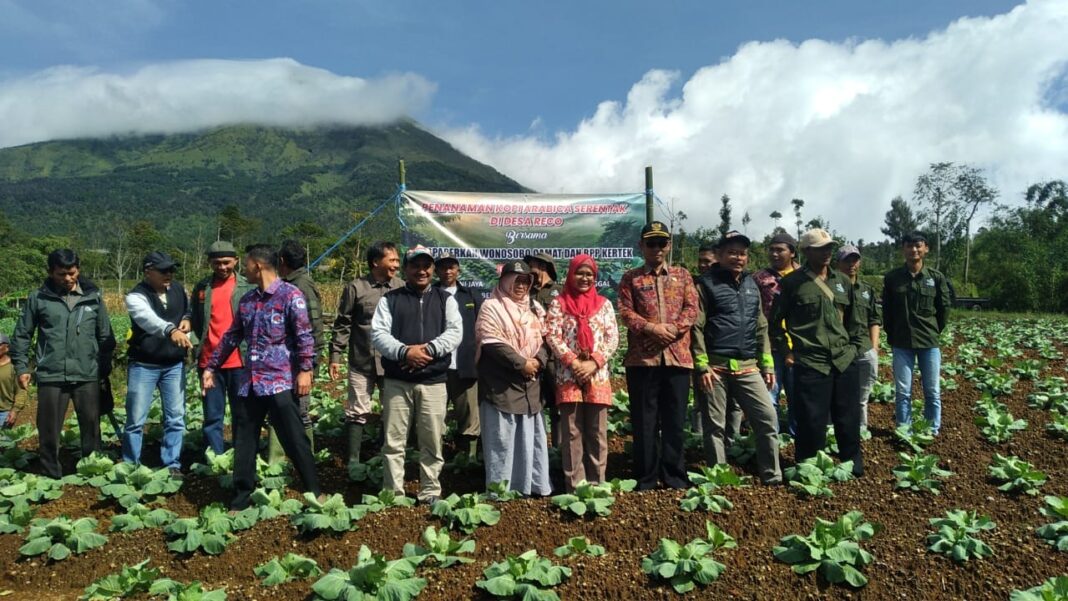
point(903, 568)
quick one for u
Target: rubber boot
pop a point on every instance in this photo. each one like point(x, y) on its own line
point(309, 431)
point(472, 450)
point(275, 452)
point(355, 442)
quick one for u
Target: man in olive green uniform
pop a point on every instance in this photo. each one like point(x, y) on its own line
point(869, 318)
point(545, 289)
point(916, 301)
point(292, 268)
point(817, 307)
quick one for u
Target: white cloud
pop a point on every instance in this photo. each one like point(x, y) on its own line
point(69, 102)
point(844, 126)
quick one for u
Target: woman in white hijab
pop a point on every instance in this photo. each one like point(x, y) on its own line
point(510, 355)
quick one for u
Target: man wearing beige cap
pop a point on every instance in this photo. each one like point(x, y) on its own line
point(869, 319)
point(816, 308)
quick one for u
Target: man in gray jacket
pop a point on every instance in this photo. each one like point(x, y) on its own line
point(73, 352)
point(415, 328)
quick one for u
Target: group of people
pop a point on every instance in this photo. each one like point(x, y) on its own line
point(804, 333)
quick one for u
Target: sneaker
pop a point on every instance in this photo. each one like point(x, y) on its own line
point(176, 473)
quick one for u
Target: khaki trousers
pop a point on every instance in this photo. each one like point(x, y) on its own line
point(401, 401)
point(749, 392)
point(584, 442)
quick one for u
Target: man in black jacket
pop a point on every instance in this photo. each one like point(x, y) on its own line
point(159, 326)
point(462, 381)
point(732, 354)
point(73, 349)
point(415, 328)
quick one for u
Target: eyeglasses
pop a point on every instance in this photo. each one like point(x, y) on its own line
point(658, 243)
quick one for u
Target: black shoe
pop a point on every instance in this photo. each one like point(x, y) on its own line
point(176, 473)
point(429, 501)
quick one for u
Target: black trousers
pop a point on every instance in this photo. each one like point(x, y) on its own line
point(52, 401)
point(836, 395)
point(658, 397)
point(248, 417)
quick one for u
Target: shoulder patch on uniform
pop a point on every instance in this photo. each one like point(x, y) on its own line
point(929, 282)
point(838, 287)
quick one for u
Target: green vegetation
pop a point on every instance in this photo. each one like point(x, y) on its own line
point(290, 567)
point(372, 578)
point(686, 566)
point(127, 582)
point(579, 545)
point(588, 499)
point(920, 473)
point(525, 576)
point(813, 476)
point(440, 547)
point(1016, 475)
point(465, 512)
point(62, 536)
point(833, 548)
point(329, 515)
point(953, 535)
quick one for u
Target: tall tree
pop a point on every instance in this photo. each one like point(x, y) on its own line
point(1053, 193)
point(899, 220)
point(746, 220)
point(776, 216)
point(798, 203)
point(936, 194)
point(235, 227)
point(724, 215)
point(973, 192)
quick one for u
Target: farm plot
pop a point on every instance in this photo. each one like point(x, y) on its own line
point(976, 513)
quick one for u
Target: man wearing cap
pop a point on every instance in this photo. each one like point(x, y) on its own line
point(351, 333)
point(916, 301)
point(782, 253)
point(292, 267)
point(658, 304)
point(732, 355)
point(543, 268)
point(415, 328)
point(461, 383)
point(73, 349)
point(815, 307)
point(869, 318)
point(159, 325)
point(214, 305)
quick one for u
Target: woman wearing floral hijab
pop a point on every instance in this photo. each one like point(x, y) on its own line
point(510, 355)
point(582, 332)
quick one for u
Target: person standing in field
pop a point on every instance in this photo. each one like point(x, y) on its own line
point(511, 353)
point(732, 355)
point(544, 290)
point(816, 309)
point(869, 318)
point(159, 325)
point(415, 329)
point(73, 350)
point(351, 333)
point(272, 320)
point(292, 267)
point(214, 305)
point(658, 304)
point(782, 252)
point(462, 381)
point(582, 332)
point(12, 397)
point(916, 301)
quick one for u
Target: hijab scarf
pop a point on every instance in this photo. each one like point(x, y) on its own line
point(507, 318)
point(581, 305)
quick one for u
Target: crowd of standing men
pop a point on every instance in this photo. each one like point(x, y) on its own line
point(806, 334)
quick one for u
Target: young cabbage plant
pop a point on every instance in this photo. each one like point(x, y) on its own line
point(373, 577)
point(525, 576)
point(439, 546)
point(689, 565)
point(953, 535)
point(832, 550)
point(465, 512)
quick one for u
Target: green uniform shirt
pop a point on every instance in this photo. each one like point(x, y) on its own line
point(303, 280)
point(825, 333)
point(11, 396)
point(868, 312)
point(915, 307)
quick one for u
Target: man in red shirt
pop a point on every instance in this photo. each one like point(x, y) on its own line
point(214, 305)
point(658, 304)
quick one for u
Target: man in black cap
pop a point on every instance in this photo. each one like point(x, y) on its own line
point(543, 268)
point(782, 253)
point(214, 305)
point(658, 304)
point(73, 349)
point(462, 382)
point(159, 325)
point(732, 355)
point(916, 301)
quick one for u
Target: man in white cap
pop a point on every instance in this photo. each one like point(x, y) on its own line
point(869, 318)
point(816, 309)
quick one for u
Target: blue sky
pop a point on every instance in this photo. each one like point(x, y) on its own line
point(841, 103)
point(500, 64)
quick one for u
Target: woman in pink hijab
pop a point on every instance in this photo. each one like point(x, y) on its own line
point(510, 355)
point(582, 332)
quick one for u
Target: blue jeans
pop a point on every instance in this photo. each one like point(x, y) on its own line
point(227, 383)
point(930, 362)
point(142, 380)
point(784, 379)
